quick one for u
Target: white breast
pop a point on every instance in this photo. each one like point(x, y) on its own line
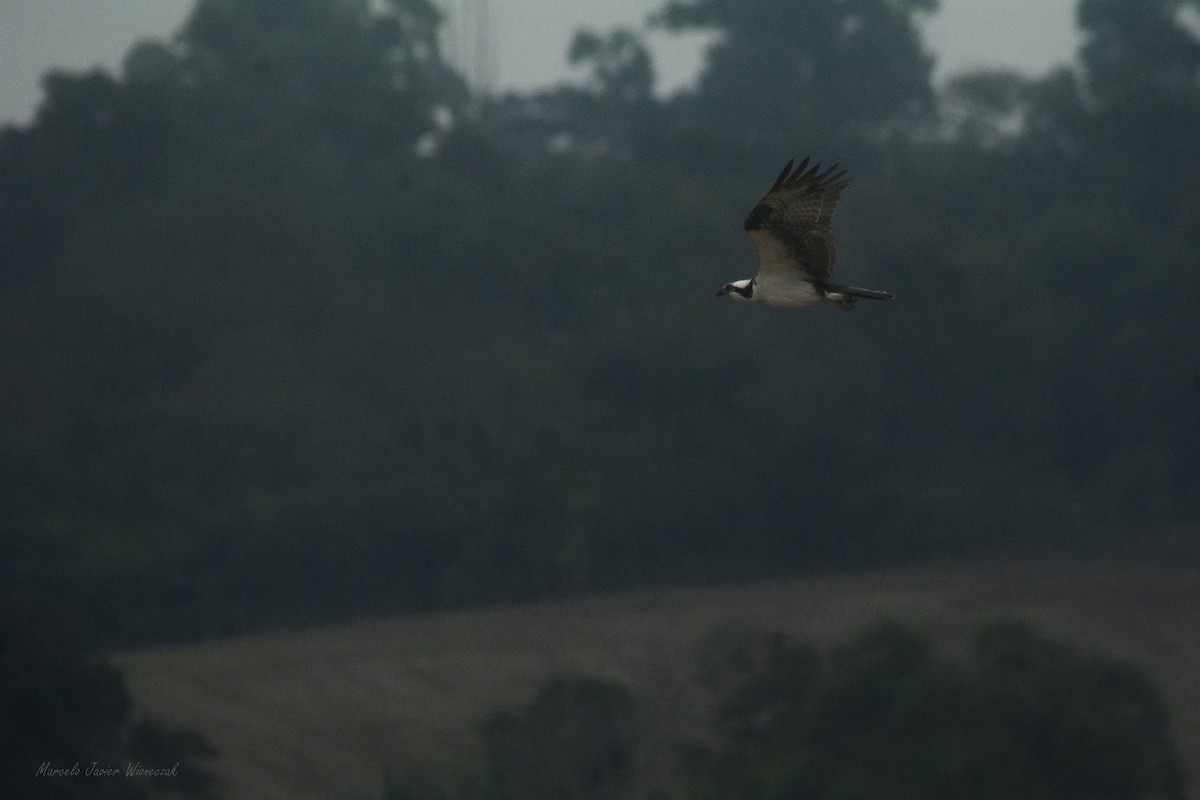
point(785, 291)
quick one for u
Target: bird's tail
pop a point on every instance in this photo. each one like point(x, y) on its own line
point(870, 294)
point(843, 297)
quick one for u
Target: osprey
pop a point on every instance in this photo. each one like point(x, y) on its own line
point(790, 228)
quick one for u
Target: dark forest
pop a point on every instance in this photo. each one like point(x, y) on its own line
point(295, 326)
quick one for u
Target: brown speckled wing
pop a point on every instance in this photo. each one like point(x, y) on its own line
point(791, 225)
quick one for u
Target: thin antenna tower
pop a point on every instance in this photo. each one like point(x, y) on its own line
point(470, 41)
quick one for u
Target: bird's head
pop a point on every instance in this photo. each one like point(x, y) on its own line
point(738, 290)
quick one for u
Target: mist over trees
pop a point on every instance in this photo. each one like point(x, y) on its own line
point(293, 325)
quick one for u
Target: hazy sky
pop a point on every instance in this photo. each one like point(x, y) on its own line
point(530, 38)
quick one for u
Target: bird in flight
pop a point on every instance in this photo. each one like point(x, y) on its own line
point(791, 230)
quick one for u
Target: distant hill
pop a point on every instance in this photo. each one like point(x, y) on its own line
point(325, 712)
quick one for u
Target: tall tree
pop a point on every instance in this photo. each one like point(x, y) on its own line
point(67, 710)
point(782, 71)
point(372, 79)
point(1138, 46)
point(887, 715)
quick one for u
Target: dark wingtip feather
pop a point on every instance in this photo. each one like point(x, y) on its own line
point(783, 176)
point(831, 178)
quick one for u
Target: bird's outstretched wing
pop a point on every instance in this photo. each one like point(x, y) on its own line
point(791, 225)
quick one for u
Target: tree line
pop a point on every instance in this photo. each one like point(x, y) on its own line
point(294, 325)
point(886, 714)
